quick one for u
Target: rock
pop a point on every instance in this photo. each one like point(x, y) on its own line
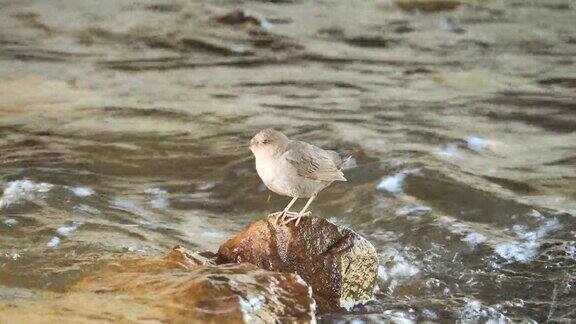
point(339, 265)
point(428, 5)
point(569, 83)
point(189, 260)
point(239, 16)
point(188, 288)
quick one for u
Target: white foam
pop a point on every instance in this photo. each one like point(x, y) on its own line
point(156, 191)
point(141, 249)
point(535, 214)
point(474, 311)
point(449, 151)
point(413, 210)
point(10, 222)
point(238, 48)
point(429, 314)
point(400, 271)
point(338, 221)
point(548, 227)
point(19, 190)
point(127, 205)
point(474, 238)
point(250, 305)
point(160, 199)
point(403, 270)
point(54, 242)
point(394, 182)
point(67, 230)
point(349, 304)
point(476, 143)
point(399, 317)
point(349, 163)
point(124, 204)
point(527, 244)
point(463, 229)
point(264, 23)
point(207, 186)
point(446, 23)
point(215, 234)
point(571, 250)
point(82, 191)
point(383, 273)
point(516, 251)
point(160, 203)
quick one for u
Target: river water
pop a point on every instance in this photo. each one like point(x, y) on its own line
point(121, 125)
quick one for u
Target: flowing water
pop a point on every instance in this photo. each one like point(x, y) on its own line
point(122, 125)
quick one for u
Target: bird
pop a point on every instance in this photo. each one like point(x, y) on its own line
point(295, 169)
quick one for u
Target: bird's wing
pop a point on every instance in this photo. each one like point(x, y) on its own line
point(313, 162)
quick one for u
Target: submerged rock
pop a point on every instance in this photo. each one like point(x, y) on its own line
point(428, 5)
point(239, 16)
point(188, 287)
point(339, 265)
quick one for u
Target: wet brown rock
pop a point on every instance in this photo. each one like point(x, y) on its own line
point(340, 265)
point(563, 82)
point(179, 256)
point(187, 288)
point(240, 16)
point(428, 5)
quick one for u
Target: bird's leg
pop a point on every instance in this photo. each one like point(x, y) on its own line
point(302, 212)
point(285, 211)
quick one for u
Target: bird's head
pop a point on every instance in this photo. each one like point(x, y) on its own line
point(268, 142)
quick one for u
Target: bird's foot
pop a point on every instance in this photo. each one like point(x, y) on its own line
point(296, 217)
point(276, 216)
point(282, 215)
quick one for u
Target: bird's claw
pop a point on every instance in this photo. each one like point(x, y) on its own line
point(282, 215)
point(297, 217)
point(276, 216)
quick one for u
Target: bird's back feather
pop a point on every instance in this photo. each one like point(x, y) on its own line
point(313, 162)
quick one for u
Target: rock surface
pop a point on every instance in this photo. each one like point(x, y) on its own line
point(188, 288)
point(339, 265)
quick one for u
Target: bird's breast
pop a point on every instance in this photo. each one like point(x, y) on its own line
point(266, 170)
point(280, 177)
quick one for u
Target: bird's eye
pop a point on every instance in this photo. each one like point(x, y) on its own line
point(266, 141)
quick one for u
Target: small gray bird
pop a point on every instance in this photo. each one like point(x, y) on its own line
point(294, 169)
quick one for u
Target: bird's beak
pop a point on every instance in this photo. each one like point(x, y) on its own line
point(248, 144)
